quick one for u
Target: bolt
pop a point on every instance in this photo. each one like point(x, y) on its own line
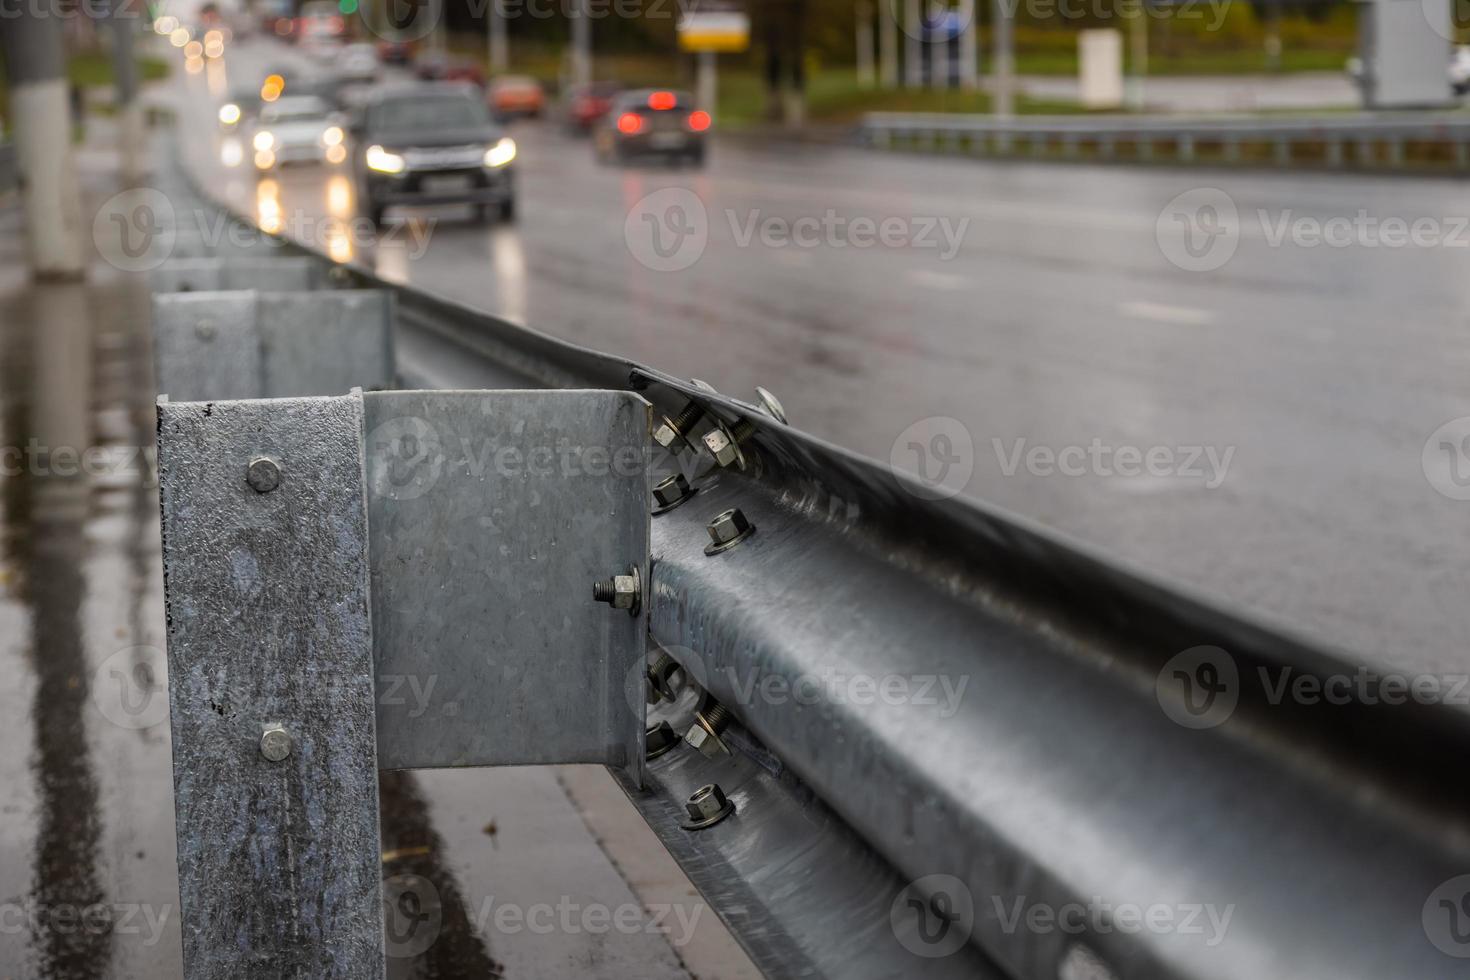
point(660, 676)
point(263, 474)
point(204, 329)
point(727, 530)
point(275, 742)
point(670, 492)
point(708, 805)
point(704, 734)
point(673, 433)
point(620, 591)
point(771, 404)
point(658, 739)
point(724, 441)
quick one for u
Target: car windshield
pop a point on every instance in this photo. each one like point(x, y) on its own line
point(429, 114)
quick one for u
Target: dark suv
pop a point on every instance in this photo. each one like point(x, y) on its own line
point(432, 144)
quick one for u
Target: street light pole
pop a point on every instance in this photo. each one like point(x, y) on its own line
point(1005, 65)
point(582, 44)
point(913, 52)
point(125, 75)
point(864, 40)
point(499, 43)
point(888, 45)
point(41, 114)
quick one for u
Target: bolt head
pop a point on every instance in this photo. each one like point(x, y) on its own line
point(721, 447)
point(263, 474)
point(668, 437)
point(707, 802)
point(706, 742)
point(728, 526)
point(671, 490)
point(204, 329)
point(275, 743)
point(771, 404)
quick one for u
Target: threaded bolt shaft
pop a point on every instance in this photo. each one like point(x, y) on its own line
point(742, 430)
point(717, 716)
point(685, 420)
point(604, 591)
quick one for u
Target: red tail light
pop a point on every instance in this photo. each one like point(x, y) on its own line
point(630, 123)
point(699, 120)
point(662, 100)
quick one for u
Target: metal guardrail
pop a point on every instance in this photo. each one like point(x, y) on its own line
point(1360, 140)
point(867, 835)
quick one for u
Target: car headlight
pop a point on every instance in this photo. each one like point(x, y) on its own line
point(501, 153)
point(229, 113)
point(264, 140)
point(332, 135)
point(384, 162)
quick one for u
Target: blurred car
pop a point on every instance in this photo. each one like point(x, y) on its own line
point(432, 144)
point(516, 95)
point(1460, 70)
point(320, 27)
point(395, 51)
point(436, 66)
point(358, 62)
point(585, 105)
point(297, 129)
point(239, 108)
point(653, 123)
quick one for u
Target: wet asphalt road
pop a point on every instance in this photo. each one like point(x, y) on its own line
point(1291, 386)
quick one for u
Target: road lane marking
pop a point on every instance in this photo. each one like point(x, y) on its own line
point(1187, 316)
point(936, 280)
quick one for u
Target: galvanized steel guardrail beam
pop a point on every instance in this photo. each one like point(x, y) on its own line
point(1059, 778)
point(1361, 140)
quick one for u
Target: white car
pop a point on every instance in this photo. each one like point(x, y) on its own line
point(297, 129)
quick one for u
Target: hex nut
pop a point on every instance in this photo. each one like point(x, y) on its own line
point(621, 591)
point(275, 742)
point(263, 474)
point(670, 492)
point(659, 739)
point(625, 591)
point(703, 738)
point(707, 806)
point(722, 447)
point(727, 529)
point(668, 437)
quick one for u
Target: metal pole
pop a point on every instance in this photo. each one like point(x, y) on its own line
point(888, 45)
point(41, 114)
point(582, 44)
point(499, 43)
point(864, 40)
point(1005, 65)
point(1137, 56)
point(938, 50)
point(125, 75)
point(969, 46)
point(709, 91)
point(913, 49)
